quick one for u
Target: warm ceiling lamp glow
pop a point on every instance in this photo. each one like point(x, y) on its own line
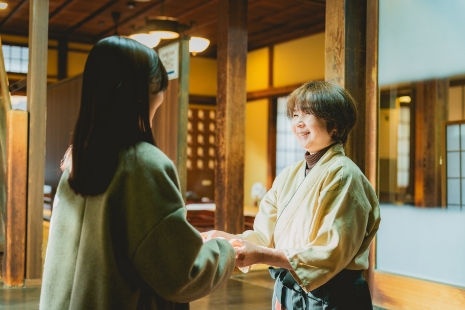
point(3, 5)
point(197, 45)
point(405, 99)
point(149, 40)
point(164, 34)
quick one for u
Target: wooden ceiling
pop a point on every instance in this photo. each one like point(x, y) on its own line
point(87, 21)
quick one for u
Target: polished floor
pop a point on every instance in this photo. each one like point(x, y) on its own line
point(251, 291)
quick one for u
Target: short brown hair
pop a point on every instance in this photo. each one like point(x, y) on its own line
point(327, 101)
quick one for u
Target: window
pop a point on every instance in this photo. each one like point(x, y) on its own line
point(455, 164)
point(16, 58)
point(288, 150)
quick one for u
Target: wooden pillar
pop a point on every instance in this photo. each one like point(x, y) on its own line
point(37, 107)
point(345, 64)
point(231, 99)
point(430, 113)
point(5, 106)
point(372, 116)
point(63, 58)
point(272, 115)
point(15, 226)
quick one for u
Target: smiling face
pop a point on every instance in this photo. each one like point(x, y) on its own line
point(310, 131)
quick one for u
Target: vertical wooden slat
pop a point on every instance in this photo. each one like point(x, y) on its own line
point(345, 63)
point(272, 114)
point(372, 116)
point(36, 105)
point(231, 99)
point(15, 226)
point(4, 108)
point(430, 115)
point(183, 101)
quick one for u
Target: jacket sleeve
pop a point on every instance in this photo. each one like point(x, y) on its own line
point(265, 221)
point(166, 251)
point(342, 224)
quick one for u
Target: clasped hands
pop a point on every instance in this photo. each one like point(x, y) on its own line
point(247, 253)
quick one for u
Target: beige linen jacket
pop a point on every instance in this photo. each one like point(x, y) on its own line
point(324, 221)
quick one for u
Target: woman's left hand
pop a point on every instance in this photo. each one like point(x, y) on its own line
point(246, 253)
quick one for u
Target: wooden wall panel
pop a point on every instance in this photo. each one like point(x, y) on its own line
point(430, 115)
point(63, 104)
point(164, 124)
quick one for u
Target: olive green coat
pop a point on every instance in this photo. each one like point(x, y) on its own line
point(130, 247)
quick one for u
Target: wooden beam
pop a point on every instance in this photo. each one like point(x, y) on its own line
point(372, 116)
point(198, 99)
point(430, 113)
point(183, 101)
point(12, 13)
point(345, 63)
point(272, 92)
point(15, 224)
point(230, 137)
point(272, 120)
point(89, 17)
point(18, 85)
point(37, 107)
point(59, 9)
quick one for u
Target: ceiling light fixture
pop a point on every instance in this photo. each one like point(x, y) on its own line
point(3, 5)
point(197, 45)
point(166, 28)
point(149, 40)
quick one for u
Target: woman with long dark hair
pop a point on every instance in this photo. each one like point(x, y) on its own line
point(119, 238)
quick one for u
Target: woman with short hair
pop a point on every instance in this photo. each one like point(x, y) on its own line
point(317, 221)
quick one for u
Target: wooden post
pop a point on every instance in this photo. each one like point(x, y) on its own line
point(372, 116)
point(231, 99)
point(4, 108)
point(183, 100)
point(345, 64)
point(430, 113)
point(272, 115)
point(37, 107)
point(15, 226)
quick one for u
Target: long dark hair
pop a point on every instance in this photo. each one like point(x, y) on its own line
point(114, 111)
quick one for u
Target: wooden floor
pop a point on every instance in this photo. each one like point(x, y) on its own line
point(252, 291)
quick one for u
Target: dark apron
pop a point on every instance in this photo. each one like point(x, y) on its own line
point(348, 290)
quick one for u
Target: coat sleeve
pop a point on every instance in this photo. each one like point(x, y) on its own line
point(170, 255)
point(175, 262)
point(342, 224)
